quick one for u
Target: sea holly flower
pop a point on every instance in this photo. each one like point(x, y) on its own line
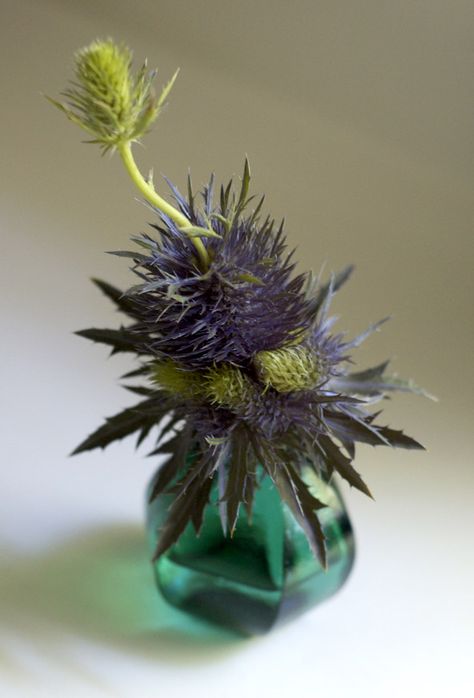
point(246, 301)
point(238, 361)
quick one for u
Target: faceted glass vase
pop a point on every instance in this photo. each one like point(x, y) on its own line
point(266, 573)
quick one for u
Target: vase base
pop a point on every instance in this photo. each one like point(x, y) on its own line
point(262, 577)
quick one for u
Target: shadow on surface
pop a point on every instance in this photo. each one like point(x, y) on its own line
point(99, 587)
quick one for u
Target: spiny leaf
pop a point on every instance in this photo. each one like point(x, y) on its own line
point(116, 296)
point(349, 430)
point(136, 256)
point(190, 197)
point(303, 506)
point(394, 382)
point(139, 389)
point(142, 415)
point(345, 426)
point(373, 381)
point(250, 486)
point(255, 213)
point(200, 502)
point(222, 504)
point(323, 399)
point(144, 431)
point(120, 340)
point(236, 480)
point(400, 440)
point(146, 241)
point(224, 198)
point(173, 426)
point(321, 294)
point(336, 460)
point(357, 341)
point(141, 371)
point(183, 507)
point(244, 189)
point(169, 471)
point(368, 374)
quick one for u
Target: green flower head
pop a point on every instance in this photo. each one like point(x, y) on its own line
point(288, 368)
point(107, 100)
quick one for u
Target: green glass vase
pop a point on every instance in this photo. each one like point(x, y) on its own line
point(266, 573)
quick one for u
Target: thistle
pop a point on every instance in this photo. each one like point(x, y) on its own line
point(234, 348)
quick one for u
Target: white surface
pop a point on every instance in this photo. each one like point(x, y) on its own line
point(79, 615)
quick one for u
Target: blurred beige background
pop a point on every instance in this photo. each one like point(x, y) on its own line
point(358, 120)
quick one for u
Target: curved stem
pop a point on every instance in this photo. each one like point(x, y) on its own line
point(125, 150)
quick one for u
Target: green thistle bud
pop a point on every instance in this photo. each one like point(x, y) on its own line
point(227, 386)
point(288, 368)
point(107, 100)
point(173, 379)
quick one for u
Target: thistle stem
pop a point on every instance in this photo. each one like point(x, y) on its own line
point(125, 150)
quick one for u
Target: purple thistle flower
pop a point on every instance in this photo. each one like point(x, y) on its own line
point(245, 365)
point(245, 302)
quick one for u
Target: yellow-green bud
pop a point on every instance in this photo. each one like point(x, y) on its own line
point(175, 380)
point(288, 368)
point(224, 385)
point(107, 100)
point(227, 386)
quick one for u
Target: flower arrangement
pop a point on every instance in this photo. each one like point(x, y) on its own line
point(238, 362)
